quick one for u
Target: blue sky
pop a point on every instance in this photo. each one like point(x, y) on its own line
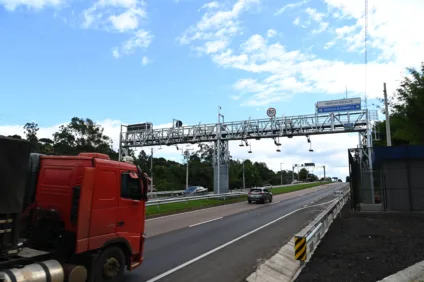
point(131, 61)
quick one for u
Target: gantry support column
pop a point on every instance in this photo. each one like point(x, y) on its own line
point(221, 177)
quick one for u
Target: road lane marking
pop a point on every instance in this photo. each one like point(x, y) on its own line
point(205, 221)
point(171, 215)
point(229, 243)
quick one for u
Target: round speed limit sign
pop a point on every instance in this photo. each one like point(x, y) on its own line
point(271, 112)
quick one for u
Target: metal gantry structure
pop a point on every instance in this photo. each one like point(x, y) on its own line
point(144, 135)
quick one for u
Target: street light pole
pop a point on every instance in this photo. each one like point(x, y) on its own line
point(187, 155)
point(386, 107)
point(281, 172)
point(244, 181)
point(218, 142)
point(187, 175)
point(151, 171)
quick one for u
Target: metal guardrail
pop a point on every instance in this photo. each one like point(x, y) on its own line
point(180, 192)
point(193, 198)
point(161, 193)
point(306, 241)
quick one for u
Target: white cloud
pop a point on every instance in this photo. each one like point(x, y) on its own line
point(128, 20)
point(145, 61)
point(211, 5)
point(329, 150)
point(115, 53)
point(271, 33)
point(218, 25)
point(291, 72)
point(317, 17)
point(391, 36)
point(140, 39)
point(322, 27)
point(115, 15)
point(122, 16)
point(254, 43)
point(212, 47)
point(289, 6)
point(275, 72)
point(11, 5)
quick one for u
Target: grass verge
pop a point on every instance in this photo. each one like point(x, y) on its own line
point(173, 208)
point(288, 189)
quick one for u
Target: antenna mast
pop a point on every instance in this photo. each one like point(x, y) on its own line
point(366, 52)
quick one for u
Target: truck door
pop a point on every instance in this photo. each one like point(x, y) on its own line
point(130, 222)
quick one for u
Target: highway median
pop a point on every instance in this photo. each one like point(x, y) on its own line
point(180, 207)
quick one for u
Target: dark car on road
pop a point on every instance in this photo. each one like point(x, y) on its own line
point(261, 195)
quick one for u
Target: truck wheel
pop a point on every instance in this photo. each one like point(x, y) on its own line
point(110, 265)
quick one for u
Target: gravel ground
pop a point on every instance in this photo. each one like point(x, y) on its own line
point(367, 247)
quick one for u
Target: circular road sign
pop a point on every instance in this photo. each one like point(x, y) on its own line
point(271, 112)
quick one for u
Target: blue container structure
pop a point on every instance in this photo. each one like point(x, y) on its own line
point(383, 154)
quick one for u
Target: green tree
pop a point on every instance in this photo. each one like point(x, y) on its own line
point(303, 174)
point(31, 129)
point(407, 116)
point(15, 136)
point(82, 135)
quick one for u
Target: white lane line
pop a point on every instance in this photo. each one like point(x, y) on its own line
point(205, 221)
point(171, 215)
point(228, 243)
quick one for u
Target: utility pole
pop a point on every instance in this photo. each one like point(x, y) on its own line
point(298, 173)
point(244, 181)
point(386, 106)
point(324, 172)
point(281, 173)
point(218, 143)
point(151, 171)
point(187, 155)
point(187, 171)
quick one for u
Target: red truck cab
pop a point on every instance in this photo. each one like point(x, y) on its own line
point(97, 206)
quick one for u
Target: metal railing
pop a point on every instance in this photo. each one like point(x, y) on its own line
point(163, 193)
point(235, 190)
point(308, 239)
point(158, 202)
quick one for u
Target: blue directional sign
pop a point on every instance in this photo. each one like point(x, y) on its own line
point(343, 105)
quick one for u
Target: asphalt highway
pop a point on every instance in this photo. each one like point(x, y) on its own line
point(229, 247)
point(160, 225)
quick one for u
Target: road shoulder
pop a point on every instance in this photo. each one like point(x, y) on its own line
point(366, 247)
